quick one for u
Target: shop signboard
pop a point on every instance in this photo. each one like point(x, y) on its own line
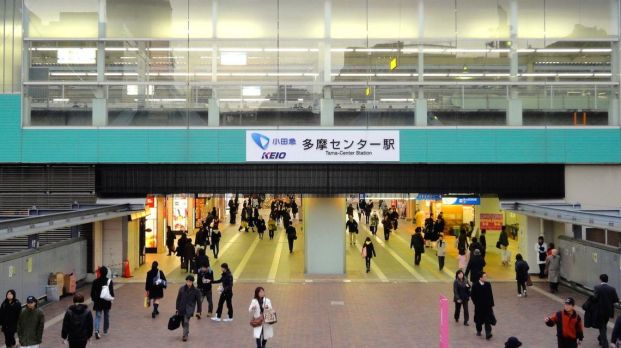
point(428, 197)
point(491, 222)
point(322, 146)
point(461, 200)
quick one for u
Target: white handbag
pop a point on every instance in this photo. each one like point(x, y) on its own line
point(105, 292)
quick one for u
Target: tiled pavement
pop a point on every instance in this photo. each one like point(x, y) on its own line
point(331, 314)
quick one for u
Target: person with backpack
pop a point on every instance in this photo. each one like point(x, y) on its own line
point(30, 324)
point(77, 326)
point(102, 306)
point(188, 298)
point(9, 314)
point(569, 332)
point(154, 286)
point(368, 252)
point(521, 274)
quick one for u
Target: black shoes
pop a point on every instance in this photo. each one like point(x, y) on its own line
point(487, 337)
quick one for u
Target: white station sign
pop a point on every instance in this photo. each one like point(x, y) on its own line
point(322, 146)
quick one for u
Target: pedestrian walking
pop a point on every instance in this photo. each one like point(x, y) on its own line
point(461, 295)
point(418, 244)
point(440, 250)
point(483, 242)
point(9, 315)
point(170, 240)
point(374, 223)
point(261, 226)
point(188, 298)
point(568, 325)
point(541, 250)
point(387, 226)
point(605, 298)
point(615, 337)
point(30, 324)
point(77, 326)
point(215, 237)
point(181, 250)
point(291, 235)
point(189, 254)
point(475, 266)
point(368, 208)
point(226, 293)
point(271, 226)
point(368, 252)
point(204, 281)
point(462, 241)
point(352, 227)
point(521, 275)
point(553, 268)
point(232, 211)
point(483, 300)
point(102, 306)
point(462, 259)
point(294, 209)
point(259, 304)
point(154, 287)
point(503, 244)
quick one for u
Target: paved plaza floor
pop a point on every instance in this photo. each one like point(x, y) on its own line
point(330, 314)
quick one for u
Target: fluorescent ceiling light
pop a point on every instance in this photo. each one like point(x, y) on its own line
point(396, 99)
point(500, 50)
point(286, 49)
point(558, 50)
point(77, 55)
point(243, 99)
point(341, 49)
point(466, 50)
point(311, 74)
point(392, 74)
point(376, 50)
point(497, 75)
point(249, 74)
point(409, 50)
point(225, 49)
point(72, 74)
point(164, 100)
point(233, 58)
point(285, 74)
point(596, 50)
point(435, 74)
point(538, 74)
point(433, 50)
point(251, 91)
point(602, 74)
point(356, 74)
point(121, 49)
point(60, 100)
point(575, 74)
point(465, 75)
point(526, 50)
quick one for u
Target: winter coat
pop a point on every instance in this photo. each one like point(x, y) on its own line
point(590, 312)
point(77, 323)
point(475, 267)
point(261, 226)
point(568, 326)
point(291, 232)
point(374, 220)
point(181, 245)
point(553, 266)
point(227, 282)
point(9, 314)
point(503, 238)
point(255, 310)
point(441, 247)
point(98, 303)
point(605, 299)
point(170, 239)
point(188, 251)
point(30, 327)
point(201, 236)
point(417, 243)
point(483, 300)
point(155, 291)
point(461, 290)
point(370, 250)
point(202, 285)
point(215, 236)
point(542, 253)
point(521, 271)
point(351, 226)
point(188, 298)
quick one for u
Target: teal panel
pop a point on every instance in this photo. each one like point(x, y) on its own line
point(10, 127)
point(593, 146)
point(231, 146)
point(203, 146)
point(521, 146)
point(62, 145)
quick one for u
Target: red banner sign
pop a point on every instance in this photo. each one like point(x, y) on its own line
point(491, 222)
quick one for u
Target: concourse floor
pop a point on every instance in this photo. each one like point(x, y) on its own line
point(329, 314)
point(254, 260)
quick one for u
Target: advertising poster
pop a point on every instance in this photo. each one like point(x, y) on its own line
point(180, 213)
point(151, 224)
point(491, 222)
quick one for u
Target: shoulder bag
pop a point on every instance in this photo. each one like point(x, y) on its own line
point(105, 292)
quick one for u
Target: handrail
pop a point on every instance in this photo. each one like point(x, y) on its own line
point(33, 220)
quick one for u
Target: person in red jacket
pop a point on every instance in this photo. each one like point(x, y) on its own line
point(568, 325)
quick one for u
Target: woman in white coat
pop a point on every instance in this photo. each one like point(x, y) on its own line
point(258, 304)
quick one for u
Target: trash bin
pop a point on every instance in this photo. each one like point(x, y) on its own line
point(51, 291)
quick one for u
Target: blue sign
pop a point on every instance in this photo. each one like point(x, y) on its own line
point(461, 200)
point(429, 196)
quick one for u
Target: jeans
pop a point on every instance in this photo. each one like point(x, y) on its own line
point(458, 307)
point(228, 297)
point(186, 325)
point(603, 335)
point(367, 262)
point(106, 320)
point(417, 257)
point(521, 287)
point(207, 295)
point(9, 337)
point(441, 262)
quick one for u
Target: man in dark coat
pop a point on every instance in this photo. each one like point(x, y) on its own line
point(475, 266)
point(291, 236)
point(170, 240)
point(483, 300)
point(101, 306)
point(189, 254)
point(181, 249)
point(77, 323)
point(232, 211)
point(201, 236)
point(605, 299)
point(418, 244)
point(188, 298)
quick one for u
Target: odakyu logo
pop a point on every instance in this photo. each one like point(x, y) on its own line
point(261, 140)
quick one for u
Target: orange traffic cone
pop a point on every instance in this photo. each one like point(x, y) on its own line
point(126, 270)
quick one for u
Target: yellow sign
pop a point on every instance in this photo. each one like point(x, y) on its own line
point(367, 91)
point(393, 63)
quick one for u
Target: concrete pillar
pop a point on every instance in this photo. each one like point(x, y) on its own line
point(97, 245)
point(324, 234)
point(533, 229)
point(213, 118)
point(327, 108)
point(614, 108)
point(420, 118)
point(100, 103)
point(161, 228)
point(514, 109)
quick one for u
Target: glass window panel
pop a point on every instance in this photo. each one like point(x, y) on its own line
point(444, 28)
point(201, 23)
point(63, 61)
point(247, 19)
point(531, 22)
point(301, 19)
point(579, 19)
point(62, 18)
point(373, 106)
point(349, 19)
point(394, 19)
point(60, 105)
point(147, 19)
point(597, 235)
point(147, 105)
point(482, 19)
point(614, 239)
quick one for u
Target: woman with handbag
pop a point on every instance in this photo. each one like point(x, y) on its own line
point(263, 316)
point(102, 306)
point(368, 252)
point(154, 286)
